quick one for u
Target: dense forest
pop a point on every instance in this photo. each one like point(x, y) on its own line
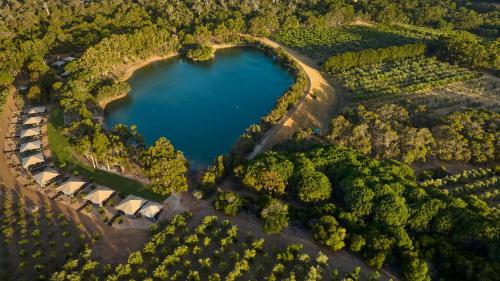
point(350, 188)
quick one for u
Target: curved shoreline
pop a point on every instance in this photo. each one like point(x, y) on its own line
point(126, 71)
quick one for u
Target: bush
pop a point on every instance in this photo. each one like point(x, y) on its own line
point(200, 53)
point(275, 215)
point(328, 231)
point(313, 186)
point(228, 202)
point(348, 60)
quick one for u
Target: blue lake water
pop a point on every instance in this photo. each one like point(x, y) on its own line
point(202, 108)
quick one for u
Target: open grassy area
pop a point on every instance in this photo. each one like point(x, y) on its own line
point(63, 157)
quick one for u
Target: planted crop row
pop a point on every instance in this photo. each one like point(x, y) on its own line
point(402, 76)
point(212, 250)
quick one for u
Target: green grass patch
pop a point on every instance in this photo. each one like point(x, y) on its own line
point(64, 158)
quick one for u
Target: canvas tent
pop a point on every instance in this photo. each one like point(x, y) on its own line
point(45, 176)
point(99, 195)
point(35, 120)
point(30, 132)
point(28, 146)
point(151, 209)
point(71, 186)
point(29, 161)
point(36, 110)
point(131, 205)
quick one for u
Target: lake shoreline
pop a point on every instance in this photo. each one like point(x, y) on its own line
point(126, 71)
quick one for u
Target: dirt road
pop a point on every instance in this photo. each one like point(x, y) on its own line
point(320, 105)
point(114, 246)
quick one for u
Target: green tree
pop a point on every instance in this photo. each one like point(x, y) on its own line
point(275, 215)
point(228, 202)
point(165, 167)
point(313, 186)
point(328, 231)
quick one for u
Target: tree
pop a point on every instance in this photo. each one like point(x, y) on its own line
point(275, 215)
point(200, 53)
point(34, 94)
point(414, 268)
point(328, 231)
point(313, 186)
point(5, 78)
point(165, 167)
point(392, 210)
point(228, 202)
point(269, 172)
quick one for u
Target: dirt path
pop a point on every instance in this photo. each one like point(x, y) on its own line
point(113, 247)
point(313, 112)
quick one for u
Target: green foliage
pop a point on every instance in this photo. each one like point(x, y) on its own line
point(349, 60)
point(313, 186)
point(402, 77)
point(207, 250)
point(166, 167)
point(269, 172)
point(110, 92)
point(34, 94)
point(275, 216)
point(322, 42)
point(468, 50)
point(228, 202)
point(200, 53)
point(329, 232)
point(215, 172)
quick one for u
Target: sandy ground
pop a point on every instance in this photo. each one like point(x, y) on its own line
point(342, 260)
point(113, 247)
point(312, 112)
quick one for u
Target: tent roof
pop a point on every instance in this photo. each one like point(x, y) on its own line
point(151, 209)
point(71, 186)
point(32, 160)
point(131, 204)
point(46, 175)
point(33, 120)
point(30, 132)
point(36, 109)
point(99, 195)
point(30, 146)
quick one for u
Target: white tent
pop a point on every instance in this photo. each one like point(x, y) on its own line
point(131, 205)
point(30, 132)
point(99, 195)
point(35, 120)
point(28, 146)
point(38, 158)
point(36, 110)
point(70, 187)
point(45, 176)
point(151, 209)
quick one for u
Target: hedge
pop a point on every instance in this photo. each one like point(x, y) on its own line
point(348, 60)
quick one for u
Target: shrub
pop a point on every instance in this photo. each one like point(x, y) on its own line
point(200, 53)
point(328, 231)
point(228, 202)
point(313, 186)
point(275, 215)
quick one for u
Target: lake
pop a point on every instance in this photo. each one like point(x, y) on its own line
point(202, 108)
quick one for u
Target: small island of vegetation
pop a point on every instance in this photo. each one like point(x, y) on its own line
point(201, 53)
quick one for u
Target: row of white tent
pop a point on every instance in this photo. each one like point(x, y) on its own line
point(130, 206)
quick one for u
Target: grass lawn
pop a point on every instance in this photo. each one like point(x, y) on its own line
point(63, 157)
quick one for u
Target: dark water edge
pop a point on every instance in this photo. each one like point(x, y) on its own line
point(202, 107)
